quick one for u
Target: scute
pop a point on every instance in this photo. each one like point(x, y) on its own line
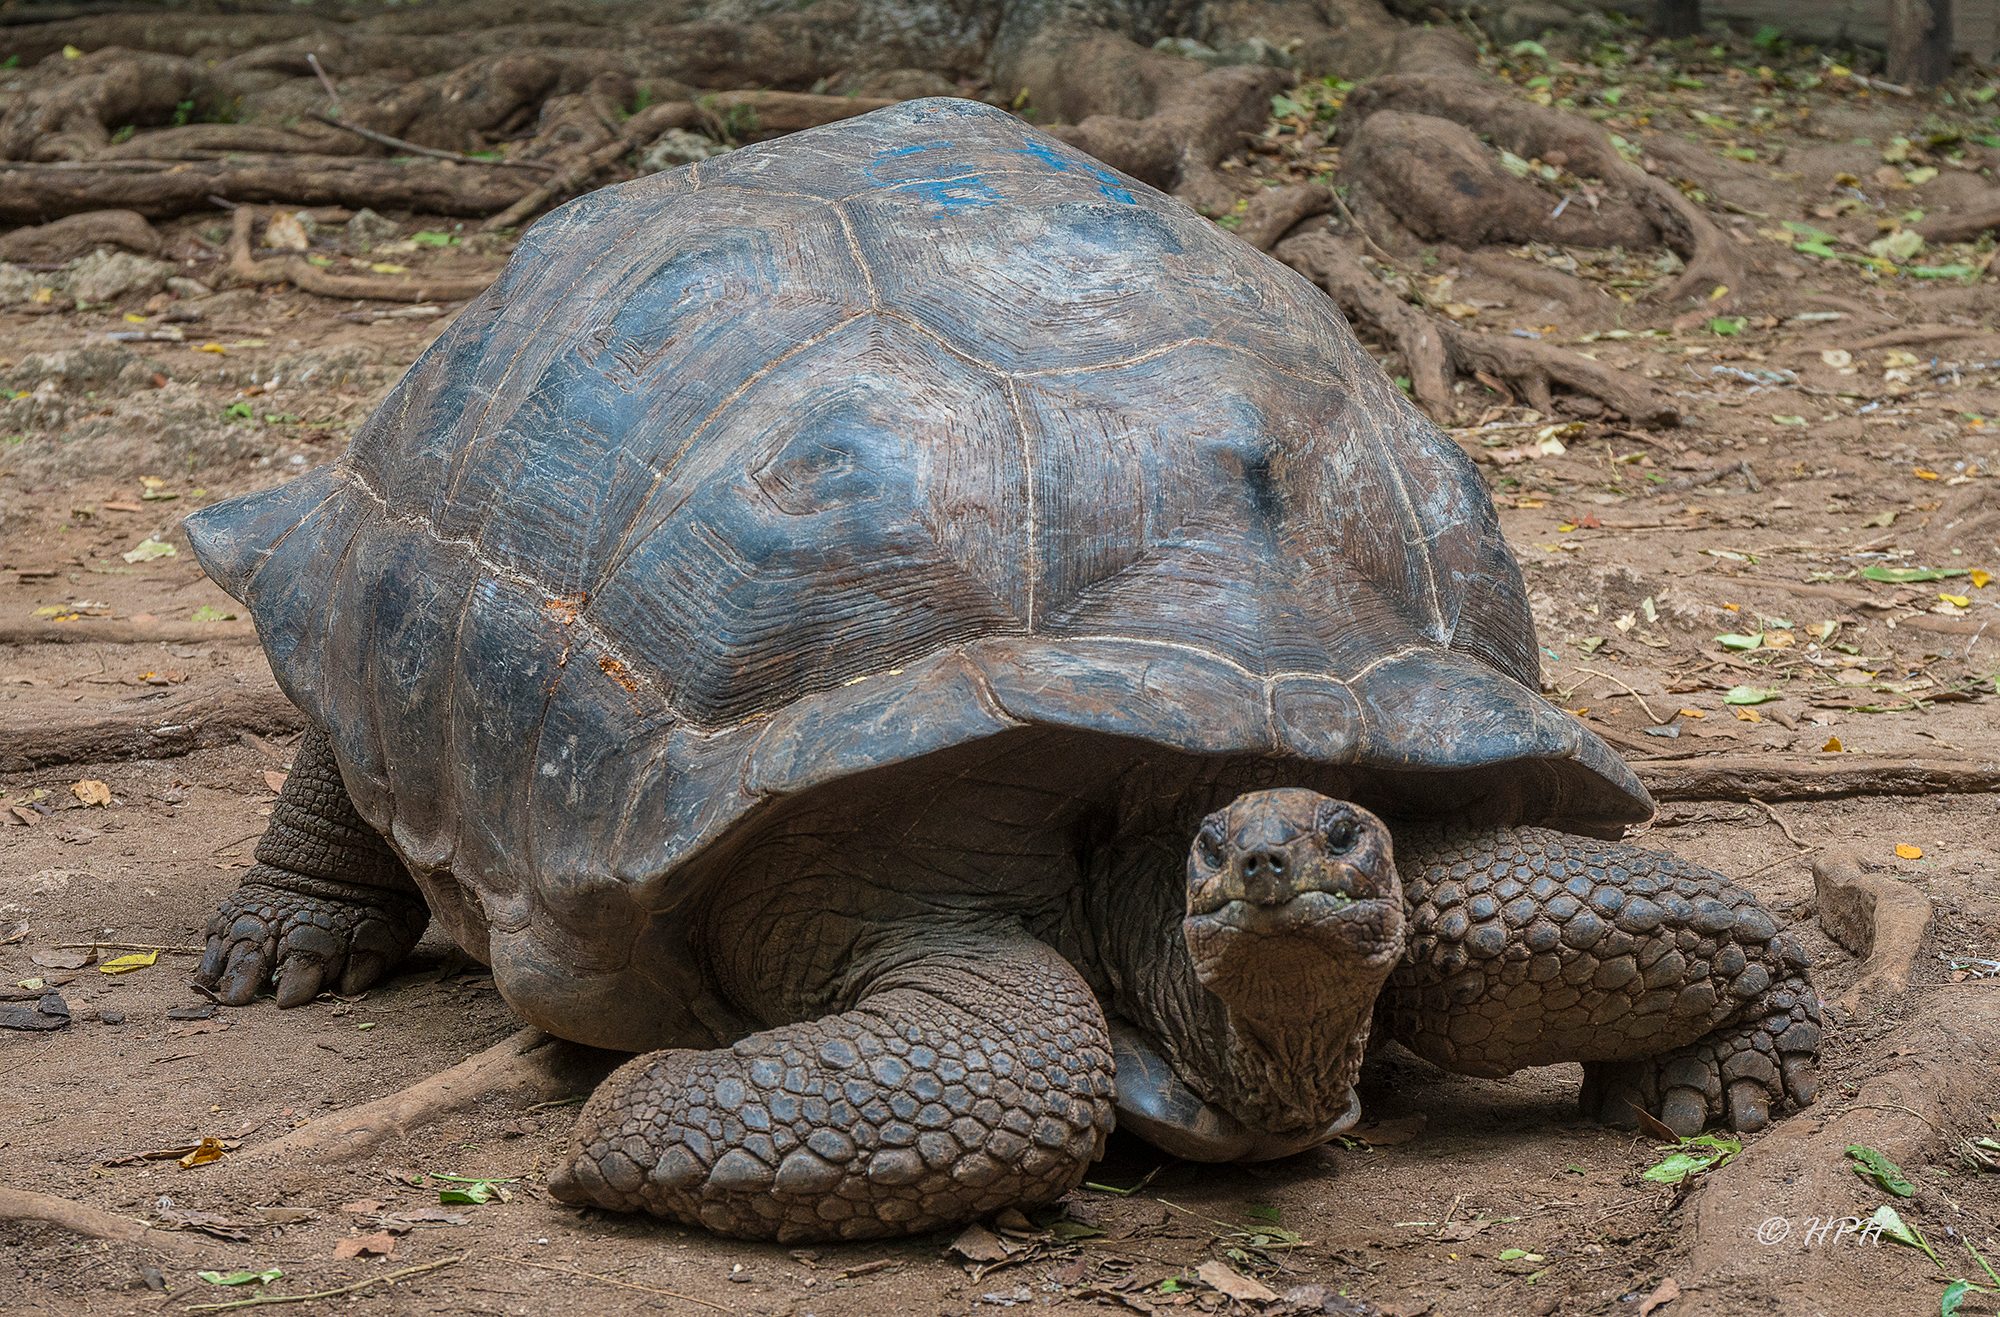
point(878, 442)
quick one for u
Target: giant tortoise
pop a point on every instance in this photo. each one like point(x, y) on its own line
point(942, 648)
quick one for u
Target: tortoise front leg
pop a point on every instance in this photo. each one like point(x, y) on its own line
point(327, 905)
point(973, 1076)
point(1671, 984)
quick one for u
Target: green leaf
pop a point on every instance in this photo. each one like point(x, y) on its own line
point(1891, 1227)
point(474, 1189)
point(1810, 233)
point(1266, 1213)
point(1819, 249)
point(1703, 1152)
point(1899, 246)
point(1284, 107)
point(1954, 1295)
point(432, 238)
point(210, 613)
point(1064, 1228)
point(1171, 1286)
point(1727, 326)
point(1872, 1165)
point(148, 549)
point(1535, 48)
point(240, 1277)
point(1939, 271)
point(1749, 695)
point(1734, 640)
point(1908, 575)
point(1611, 95)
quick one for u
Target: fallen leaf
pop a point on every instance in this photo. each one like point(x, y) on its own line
point(1663, 1294)
point(1979, 578)
point(208, 1150)
point(1956, 600)
point(91, 792)
point(1905, 851)
point(275, 781)
point(381, 1244)
point(72, 958)
point(148, 549)
point(1832, 745)
point(1748, 715)
point(1923, 474)
point(126, 964)
point(1221, 1276)
point(978, 1244)
point(1748, 695)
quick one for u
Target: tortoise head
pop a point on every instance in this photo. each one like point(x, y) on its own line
point(1294, 920)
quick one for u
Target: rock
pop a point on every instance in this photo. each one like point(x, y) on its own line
point(1252, 50)
point(1529, 19)
point(365, 229)
point(677, 147)
point(1875, 917)
point(18, 285)
point(286, 231)
point(110, 1015)
point(108, 276)
point(189, 288)
point(907, 85)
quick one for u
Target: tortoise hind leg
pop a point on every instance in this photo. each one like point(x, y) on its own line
point(1671, 984)
point(327, 905)
point(975, 1075)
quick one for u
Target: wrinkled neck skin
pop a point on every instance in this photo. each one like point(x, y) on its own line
point(1275, 1035)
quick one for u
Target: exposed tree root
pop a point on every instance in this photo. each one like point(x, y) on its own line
point(1875, 917)
point(90, 1222)
point(527, 1061)
point(69, 238)
point(1965, 226)
point(160, 189)
point(1435, 77)
point(37, 734)
point(752, 113)
point(1777, 777)
point(1436, 352)
point(246, 267)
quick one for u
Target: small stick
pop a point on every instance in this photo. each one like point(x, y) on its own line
point(1782, 825)
point(1781, 860)
point(332, 92)
point(1618, 681)
point(621, 1284)
point(411, 148)
point(271, 1300)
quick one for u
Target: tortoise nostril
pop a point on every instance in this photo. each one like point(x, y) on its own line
point(1264, 864)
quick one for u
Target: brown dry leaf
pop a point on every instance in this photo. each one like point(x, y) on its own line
point(1748, 715)
point(75, 958)
point(978, 1244)
point(363, 1206)
point(381, 1244)
point(1663, 1294)
point(275, 781)
point(1905, 851)
point(1833, 745)
point(1223, 1277)
point(91, 792)
point(208, 1150)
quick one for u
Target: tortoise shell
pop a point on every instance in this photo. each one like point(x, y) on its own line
point(839, 452)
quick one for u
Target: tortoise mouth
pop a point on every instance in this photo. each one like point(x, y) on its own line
point(1362, 931)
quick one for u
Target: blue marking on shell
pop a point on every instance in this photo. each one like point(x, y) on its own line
point(1108, 183)
point(960, 189)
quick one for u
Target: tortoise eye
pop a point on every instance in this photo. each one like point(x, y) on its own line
point(1208, 846)
point(1340, 833)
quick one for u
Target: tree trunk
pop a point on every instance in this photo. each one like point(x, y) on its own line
point(1919, 42)
point(1676, 18)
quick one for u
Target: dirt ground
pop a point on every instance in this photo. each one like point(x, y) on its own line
point(1739, 591)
